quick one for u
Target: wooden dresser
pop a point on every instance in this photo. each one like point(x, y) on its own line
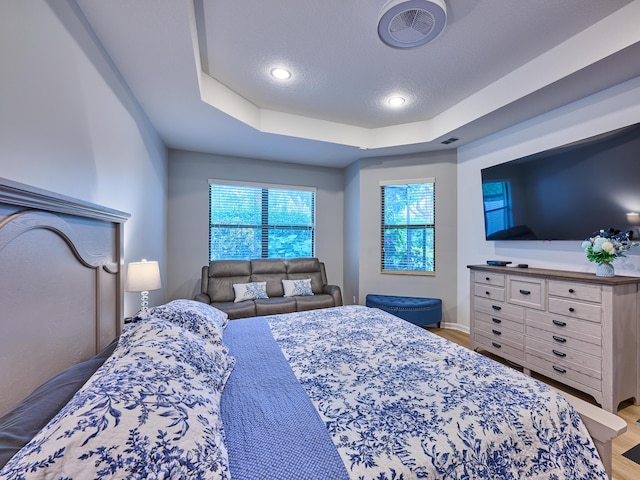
point(573, 327)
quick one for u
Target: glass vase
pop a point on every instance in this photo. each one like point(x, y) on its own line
point(605, 269)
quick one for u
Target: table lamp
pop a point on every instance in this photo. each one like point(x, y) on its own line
point(142, 277)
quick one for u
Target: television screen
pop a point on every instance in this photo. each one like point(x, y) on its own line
point(566, 193)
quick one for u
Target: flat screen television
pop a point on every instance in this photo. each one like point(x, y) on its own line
point(566, 193)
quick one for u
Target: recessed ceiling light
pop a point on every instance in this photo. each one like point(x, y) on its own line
point(281, 73)
point(396, 101)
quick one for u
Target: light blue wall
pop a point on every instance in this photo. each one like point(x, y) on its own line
point(351, 290)
point(187, 228)
point(364, 203)
point(69, 124)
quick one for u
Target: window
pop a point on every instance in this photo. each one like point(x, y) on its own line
point(260, 221)
point(497, 206)
point(408, 226)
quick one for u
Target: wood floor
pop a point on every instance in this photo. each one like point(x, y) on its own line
point(623, 468)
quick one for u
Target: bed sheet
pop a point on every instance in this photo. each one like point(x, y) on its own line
point(403, 403)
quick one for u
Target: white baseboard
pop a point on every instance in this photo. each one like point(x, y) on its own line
point(455, 326)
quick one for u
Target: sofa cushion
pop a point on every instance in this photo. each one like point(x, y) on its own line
point(268, 265)
point(315, 277)
point(229, 268)
point(271, 271)
point(250, 291)
point(301, 268)
point(302, 265)
point(273, 282)
point(313, 302)
point(237, 310)
point(275, 305)
point(223, 274)
point(297, 287)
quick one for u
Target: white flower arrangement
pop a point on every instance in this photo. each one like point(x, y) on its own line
point(606, 245)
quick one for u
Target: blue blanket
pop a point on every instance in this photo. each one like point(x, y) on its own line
point(272, 430)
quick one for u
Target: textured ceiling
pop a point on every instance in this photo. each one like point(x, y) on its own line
point(200, 71)
point(343, 72)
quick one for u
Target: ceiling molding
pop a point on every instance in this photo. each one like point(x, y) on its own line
point(482, 74)
point(586, 48)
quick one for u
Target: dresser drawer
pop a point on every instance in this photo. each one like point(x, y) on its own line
point(499, 310)
point(502, 348)
point(563, 372)
point(489, 291)
point(498, 321)
point(528, 292)
point(576, 291)
point(498, 333)
point(586, 331)
point(563, 341)
point(496, 279)
point(580, 361)
point(575, 309)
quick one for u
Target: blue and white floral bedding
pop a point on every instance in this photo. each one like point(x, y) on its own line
point(398, 402)
point(402, 403)
point(151, 411)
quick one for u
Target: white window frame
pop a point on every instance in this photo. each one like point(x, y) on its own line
point(432, 226)
point(265, 186)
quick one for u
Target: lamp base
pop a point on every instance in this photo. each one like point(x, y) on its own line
point(144, 304)
point(144, 299)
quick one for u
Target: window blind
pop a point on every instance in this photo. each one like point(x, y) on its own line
point(252, 221)
point(408, 226)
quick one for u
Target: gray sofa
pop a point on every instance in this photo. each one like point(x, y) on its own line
point(219, 277)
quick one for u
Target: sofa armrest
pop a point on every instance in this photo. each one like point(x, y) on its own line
point(202, 297)
point(334, 291)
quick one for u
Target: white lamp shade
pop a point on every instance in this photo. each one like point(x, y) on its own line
point(143, 276)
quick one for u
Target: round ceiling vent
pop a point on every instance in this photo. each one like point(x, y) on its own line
point(410, 23)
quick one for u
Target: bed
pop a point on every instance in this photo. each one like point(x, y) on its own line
point(340, 393)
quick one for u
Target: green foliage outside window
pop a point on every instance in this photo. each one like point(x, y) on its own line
point(260, 222)
point(408, 227)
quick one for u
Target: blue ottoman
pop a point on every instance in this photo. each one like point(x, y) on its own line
point(420, 311)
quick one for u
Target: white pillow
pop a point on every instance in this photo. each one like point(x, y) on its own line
point(297, 287)
point(197, 317)
point(250, 291)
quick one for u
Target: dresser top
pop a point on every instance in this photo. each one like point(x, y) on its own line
point(557, 274)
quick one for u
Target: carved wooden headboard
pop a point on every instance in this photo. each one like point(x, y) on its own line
point(61, 285)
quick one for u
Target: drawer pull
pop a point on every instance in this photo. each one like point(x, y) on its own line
point(496, 344)
point(496, 307)
point(559, 369)
point(497, 332)
point(525, 292)
point(487, 293)
point(496, 320)
point(571, 290)
point(487, 278)
point(571, 309)
point(559, 339)
point(559, 323)
point(559, 353)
